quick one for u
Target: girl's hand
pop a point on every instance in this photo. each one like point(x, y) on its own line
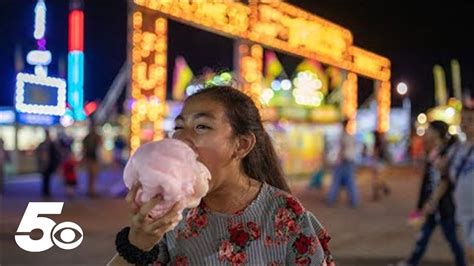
point(146, 232)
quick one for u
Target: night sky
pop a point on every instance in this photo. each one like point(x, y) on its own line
point(413, 35)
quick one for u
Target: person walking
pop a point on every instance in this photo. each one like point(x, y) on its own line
point(343, 173)
point(91, 144)
point(48, 155)
point(378, 169)
point(440, 211)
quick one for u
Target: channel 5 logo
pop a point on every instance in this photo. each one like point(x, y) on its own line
point(62, 235)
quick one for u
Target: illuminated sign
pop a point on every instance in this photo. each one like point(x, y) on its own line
point(273, 24)
point(36, 119)
point(40, 20)
point(149, 50)
point(277, 25)
point(38, 93)
point(41, 95)
point(349, 102)
point(226, 17)
point(75, 72)
point(370, 64)
point(383, 105)
point(75, 77)
point(291, 29)
point(38, 57)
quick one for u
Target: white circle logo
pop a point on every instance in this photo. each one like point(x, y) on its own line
point(66, 235)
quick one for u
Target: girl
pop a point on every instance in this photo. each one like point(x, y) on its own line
point(248, 215)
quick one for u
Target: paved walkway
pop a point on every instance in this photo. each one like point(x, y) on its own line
point(376, 233)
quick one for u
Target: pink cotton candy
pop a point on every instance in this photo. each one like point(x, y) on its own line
point(168, 168)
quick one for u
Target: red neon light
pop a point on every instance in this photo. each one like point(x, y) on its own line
point(90, 107)
point(76, 30)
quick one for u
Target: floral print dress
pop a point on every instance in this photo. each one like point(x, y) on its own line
point(274, 229)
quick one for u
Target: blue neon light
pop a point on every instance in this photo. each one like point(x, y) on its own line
point(36, 119)
point(7, 116)
point(75, 78)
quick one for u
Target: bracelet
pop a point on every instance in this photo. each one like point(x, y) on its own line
point(131, 253)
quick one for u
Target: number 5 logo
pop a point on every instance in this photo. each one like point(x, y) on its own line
point(32, 221)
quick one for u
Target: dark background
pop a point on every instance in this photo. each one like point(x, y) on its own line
point(414, 35)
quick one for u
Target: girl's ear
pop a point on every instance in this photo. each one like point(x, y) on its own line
point(244, 145)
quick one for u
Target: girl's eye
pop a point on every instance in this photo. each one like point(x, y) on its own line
point(177, 127)
point(202, 127)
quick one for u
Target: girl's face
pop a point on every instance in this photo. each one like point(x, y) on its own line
point(204, 126)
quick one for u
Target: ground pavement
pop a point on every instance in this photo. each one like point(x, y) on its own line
point(375, 233)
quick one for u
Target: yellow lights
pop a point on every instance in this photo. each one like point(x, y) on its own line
point(421, 118)
point(370, 64)
point(291, 29)
point(307, 80)
point(445, 113)
point(256, 51)
point(251, 69)
point(452, 130)
point(137, 20)
point(270, 23)
point(225, 16)
point(149, 51)
point(383, 106)
point(135, 141)
point(274, 24)
point(250, 62)
point(349, 101)
point(306, 91)
point(308, 98)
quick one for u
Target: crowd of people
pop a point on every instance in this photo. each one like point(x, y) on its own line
point(55, 157)
point(446, 193)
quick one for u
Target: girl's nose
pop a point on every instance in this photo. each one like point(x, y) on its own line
point(185, 136)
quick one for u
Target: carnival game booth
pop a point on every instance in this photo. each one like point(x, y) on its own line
point(301, 110)
point(300, 141)
point(256, 28)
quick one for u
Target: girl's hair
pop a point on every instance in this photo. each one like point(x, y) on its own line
point(262, 162)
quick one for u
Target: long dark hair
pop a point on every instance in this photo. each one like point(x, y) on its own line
point(262, 162)
point(442, 128)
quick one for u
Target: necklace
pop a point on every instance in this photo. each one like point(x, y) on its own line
point(240, 203)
